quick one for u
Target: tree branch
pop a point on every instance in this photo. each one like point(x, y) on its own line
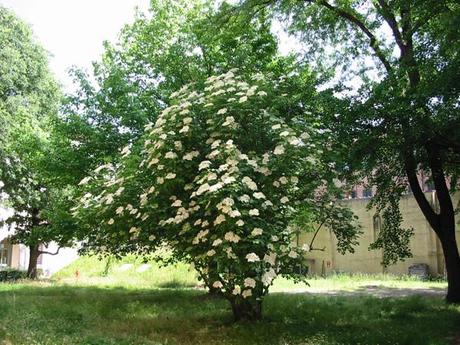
point(390, 18)
point(427, 210)
point(362, 26)
point(49, 253)
point(314, 236)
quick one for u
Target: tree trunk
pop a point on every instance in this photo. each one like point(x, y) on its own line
point(443, 223)
point(246, 309)
point(452, 260)
point(33, 260)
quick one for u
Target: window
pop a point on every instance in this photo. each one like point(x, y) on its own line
point(4, 253)
point(367, 193)
point(353, 194)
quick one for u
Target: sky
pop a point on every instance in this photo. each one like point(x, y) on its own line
point(73, 31)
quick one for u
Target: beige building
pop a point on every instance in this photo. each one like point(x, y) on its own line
point(425, 247)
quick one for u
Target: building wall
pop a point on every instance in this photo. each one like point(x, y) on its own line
point(424, 245)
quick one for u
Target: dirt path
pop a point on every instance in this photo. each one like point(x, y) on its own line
point(375, 291)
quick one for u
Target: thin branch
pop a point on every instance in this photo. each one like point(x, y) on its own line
point(373, 42)
point(319, 249)
point(316, 233)
point(49, 253)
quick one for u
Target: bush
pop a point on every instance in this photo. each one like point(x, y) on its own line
point(12, 275)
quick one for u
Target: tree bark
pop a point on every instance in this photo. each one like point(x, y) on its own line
point(33, 260)
point(452, 260)
point(246, 309)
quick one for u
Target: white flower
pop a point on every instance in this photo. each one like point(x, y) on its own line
point(229, 120)
point(220, 219)
point(84, 181)
point(243, 99)
point(294, 179)
point(204, 165)
point(170, 155)
point(249, 282)
point(211, 252)
point(249, 183)
point(261, 93)
point(231, 237)
point(284, 134)
point(267, 203)
point(259, 195)
point(246, 293)
point(305, 135)
point(216, 242)
point(203, 188)
point(257, 232)
point(294, 141)
point(276, 184)
point(283, 180)
point(236, 290)
point(279, 150)
point(270, 258)
point(215, 187)
point(215, 143)
point(252, 257)
point(213, 154)
point(187, 120)
point(268, 277)
point(275, 238)
point(126, 150)
point(254, 212)
point(244, 198)
point(111, 221)
point(184, 129)
point(277, 126)
point(228, 179)
point(119, 210)
point(222, 111)
point(177, 203)
point(152, 237)
point(217, 284)
point(160, 180)
point(293, 254)
point(284, 200)
point(240, 223)
point(170, 176)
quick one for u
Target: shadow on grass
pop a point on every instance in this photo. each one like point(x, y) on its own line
point(92, 315)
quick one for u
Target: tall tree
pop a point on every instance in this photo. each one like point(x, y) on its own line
point(29, 98)
point(405, 117)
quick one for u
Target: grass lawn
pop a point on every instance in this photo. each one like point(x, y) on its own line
point(163, 307)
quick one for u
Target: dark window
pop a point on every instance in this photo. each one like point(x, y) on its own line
point(353, 194)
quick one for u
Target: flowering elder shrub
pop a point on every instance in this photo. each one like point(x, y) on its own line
point(218, 179)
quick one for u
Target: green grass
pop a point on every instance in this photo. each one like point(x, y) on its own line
point(166, 308)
